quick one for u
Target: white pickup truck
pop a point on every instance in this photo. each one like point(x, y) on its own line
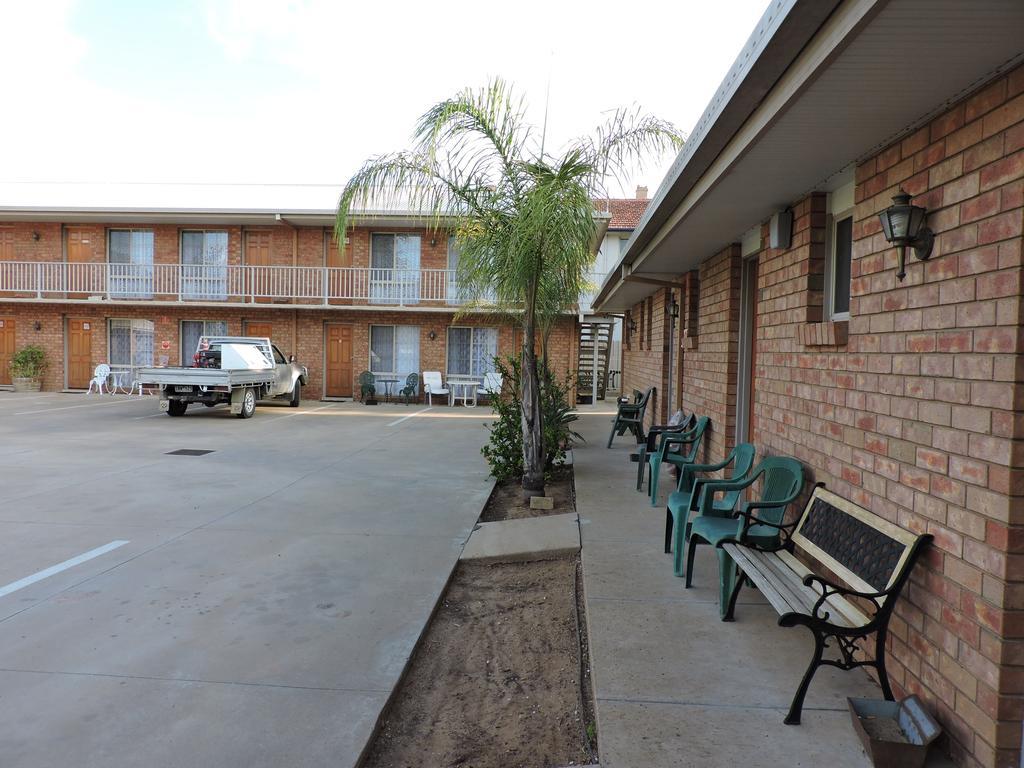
point(239, 370)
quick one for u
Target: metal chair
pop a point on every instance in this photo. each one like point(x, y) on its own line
point(412, 382)
point(100, 380)
point(367, 385)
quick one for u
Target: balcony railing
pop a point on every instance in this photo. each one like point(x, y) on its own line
point(203, 283)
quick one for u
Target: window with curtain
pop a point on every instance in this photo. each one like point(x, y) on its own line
point(395, 350)
point(455, 294)
point(130, 254)
point(471, 351)
point(204, 265)
point(130, 343)
point(394, 268)
point(192, 330)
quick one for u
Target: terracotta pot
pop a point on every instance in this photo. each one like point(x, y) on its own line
point(25, 384)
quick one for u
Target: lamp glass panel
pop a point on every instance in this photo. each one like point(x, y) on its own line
point(899, 221)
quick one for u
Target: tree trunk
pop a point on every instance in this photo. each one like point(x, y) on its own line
point(533, 427)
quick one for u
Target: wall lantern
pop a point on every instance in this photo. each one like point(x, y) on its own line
point(632, 326)
point(673, 309)
point(38, 326)
point(35, 236)
point(431, 335)
point(903, 225)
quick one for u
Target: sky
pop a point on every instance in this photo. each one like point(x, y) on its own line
point(303, 92)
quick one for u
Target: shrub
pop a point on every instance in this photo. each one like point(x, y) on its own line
point(504, 449)
point(28, 363)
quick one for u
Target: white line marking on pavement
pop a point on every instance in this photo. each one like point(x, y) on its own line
point(70, 407)
point(14, 586)
point(417, 413)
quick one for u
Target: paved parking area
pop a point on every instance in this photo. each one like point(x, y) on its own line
point(250, 607)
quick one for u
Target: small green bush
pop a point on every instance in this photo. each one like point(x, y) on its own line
point(504, 449)
point(28, 363)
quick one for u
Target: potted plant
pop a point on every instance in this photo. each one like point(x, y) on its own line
point(27, 368)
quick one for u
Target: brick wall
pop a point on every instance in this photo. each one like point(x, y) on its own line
point(645, 356)
point(913, 408)
point(710, 357)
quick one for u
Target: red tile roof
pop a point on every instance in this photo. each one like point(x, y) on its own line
point(626, 212)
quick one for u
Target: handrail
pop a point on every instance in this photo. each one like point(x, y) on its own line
point(228, 283)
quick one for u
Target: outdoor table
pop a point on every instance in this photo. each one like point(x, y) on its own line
point(387, 381)
point(468, 385)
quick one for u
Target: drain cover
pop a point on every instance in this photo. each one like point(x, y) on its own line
point(188, 452)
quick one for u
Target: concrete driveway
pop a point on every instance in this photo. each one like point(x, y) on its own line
point(250, 607)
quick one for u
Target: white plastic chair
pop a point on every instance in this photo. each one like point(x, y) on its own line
point(432, 385)
point(99, 379)
point(491, 386)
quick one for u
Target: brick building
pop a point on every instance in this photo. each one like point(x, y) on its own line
point(131, 281)
point(904, 395)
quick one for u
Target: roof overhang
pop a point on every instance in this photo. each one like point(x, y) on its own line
point(818, 87)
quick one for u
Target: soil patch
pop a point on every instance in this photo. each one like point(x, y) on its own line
point(500, 678)
point(507, 501)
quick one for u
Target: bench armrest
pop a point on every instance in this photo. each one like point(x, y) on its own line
point(829, 588)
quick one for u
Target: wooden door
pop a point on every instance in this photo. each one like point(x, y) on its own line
point(79, 252)
point(259, 329)
point(338, 355)
point(341, 281)
point(257, 255)
point(79, 353)
point(7, 326)
point(7, 273)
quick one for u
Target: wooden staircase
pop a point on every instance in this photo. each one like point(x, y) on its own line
point(591, 332)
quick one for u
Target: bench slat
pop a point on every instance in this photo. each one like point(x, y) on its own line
point(782, 598)
point(779, 576)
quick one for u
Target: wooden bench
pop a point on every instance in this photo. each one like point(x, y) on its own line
point(868, 559)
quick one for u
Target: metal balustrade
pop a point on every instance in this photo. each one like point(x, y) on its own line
point(228, 283)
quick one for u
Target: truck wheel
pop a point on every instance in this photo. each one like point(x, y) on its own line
point(248, 404)
point(176, 407)
point(296, 395)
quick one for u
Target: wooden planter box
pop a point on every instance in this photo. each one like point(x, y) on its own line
point(23, 384)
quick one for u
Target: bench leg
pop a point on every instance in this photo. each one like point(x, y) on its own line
point(730, 611)
point(883, 676)
point(668, 531)
point(793, 718)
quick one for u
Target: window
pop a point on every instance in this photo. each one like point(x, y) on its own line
point(191, 330)
point(394, 269)
point(204, 265)
point(471, 351)
point(130, 254)
point(395, 349)
point(840, 252)
point(130, 344)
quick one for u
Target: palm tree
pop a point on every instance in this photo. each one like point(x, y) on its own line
point(524, 219)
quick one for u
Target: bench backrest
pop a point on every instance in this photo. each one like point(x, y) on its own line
point(866, 551)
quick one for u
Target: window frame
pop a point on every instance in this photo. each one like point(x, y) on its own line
point(473, 329)
point(392, 371)
point(141, 275)
point(186, 358)
point(131, 342)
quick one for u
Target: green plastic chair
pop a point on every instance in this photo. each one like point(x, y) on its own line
point(683, 500)
point(630, 416)
point(412, 381)
point(367, 385)
point(692, 438)
point(759, 524)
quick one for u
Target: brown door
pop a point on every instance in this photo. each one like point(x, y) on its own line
point(79, 353)
point(6, 348)
point(257, 256)
point(341, 282)
point(79, 250)
point(339, 361)
point(259, 329)
point(7, 274)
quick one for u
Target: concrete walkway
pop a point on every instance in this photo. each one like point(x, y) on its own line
point(674, 685)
